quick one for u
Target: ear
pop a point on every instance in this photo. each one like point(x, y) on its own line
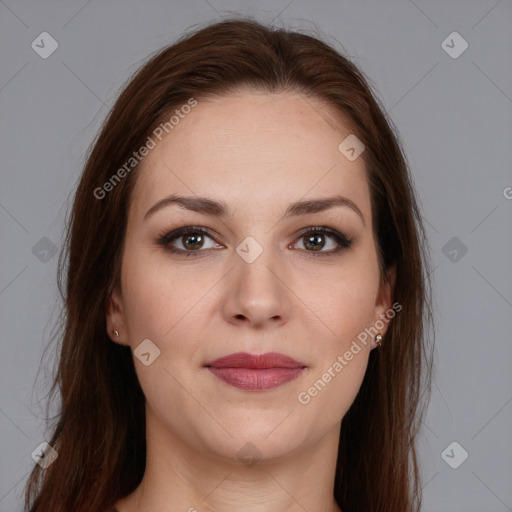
point(384, 299)
point(116, 319)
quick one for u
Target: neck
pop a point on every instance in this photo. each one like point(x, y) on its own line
point(178, 476)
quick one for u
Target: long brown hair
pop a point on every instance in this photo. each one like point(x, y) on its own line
point(99, 433)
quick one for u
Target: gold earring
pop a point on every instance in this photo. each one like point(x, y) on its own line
point(378, 340)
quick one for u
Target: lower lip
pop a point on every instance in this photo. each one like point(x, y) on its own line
point(256, 380)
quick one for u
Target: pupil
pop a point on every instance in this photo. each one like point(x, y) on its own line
point(195, 240)
point(311, 241)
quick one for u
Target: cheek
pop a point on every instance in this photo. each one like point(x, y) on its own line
point(159, 300)
point(167, 306)
point(332, 391)
point(348, 305)
point(162, 305)
point(342, 357)
point(347, 309)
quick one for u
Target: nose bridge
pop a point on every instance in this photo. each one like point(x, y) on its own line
point(256, 289)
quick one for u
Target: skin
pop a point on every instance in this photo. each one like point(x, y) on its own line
point(258, 152)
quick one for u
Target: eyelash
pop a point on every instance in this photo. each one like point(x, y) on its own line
point(166, 238)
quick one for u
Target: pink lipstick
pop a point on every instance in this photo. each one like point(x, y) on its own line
point(256, 372)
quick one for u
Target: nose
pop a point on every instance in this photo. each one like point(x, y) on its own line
point(257, 293)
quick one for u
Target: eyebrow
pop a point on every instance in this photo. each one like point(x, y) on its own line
point(221, 209)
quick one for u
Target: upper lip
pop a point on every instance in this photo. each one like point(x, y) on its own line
point(255, 361)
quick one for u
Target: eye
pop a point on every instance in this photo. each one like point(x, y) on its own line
point(315, 239)
point(192, 239)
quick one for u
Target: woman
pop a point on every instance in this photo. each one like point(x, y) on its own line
point(246, 294)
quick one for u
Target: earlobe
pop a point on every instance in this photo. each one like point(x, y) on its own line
point(384, 300)
point(116, 325)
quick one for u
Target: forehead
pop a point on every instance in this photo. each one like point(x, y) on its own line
point(271, 148)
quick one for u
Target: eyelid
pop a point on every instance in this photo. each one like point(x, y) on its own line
point(334, 233)
point(167, 236)
point(343, 241)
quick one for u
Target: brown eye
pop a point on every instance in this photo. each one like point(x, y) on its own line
point(187, 241)
point(314, 240)
point(193, 241)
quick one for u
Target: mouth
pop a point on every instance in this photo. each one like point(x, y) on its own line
point(255, 372)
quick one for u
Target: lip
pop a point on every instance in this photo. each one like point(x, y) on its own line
point(256, 372)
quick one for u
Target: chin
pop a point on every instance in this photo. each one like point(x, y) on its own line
point(257, 440)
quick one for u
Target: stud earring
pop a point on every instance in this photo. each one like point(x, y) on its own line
point(116, 333)
point(378, 340)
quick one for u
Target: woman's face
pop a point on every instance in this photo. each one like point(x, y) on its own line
point(247, 279)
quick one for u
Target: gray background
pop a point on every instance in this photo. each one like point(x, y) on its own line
point(454, 116)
